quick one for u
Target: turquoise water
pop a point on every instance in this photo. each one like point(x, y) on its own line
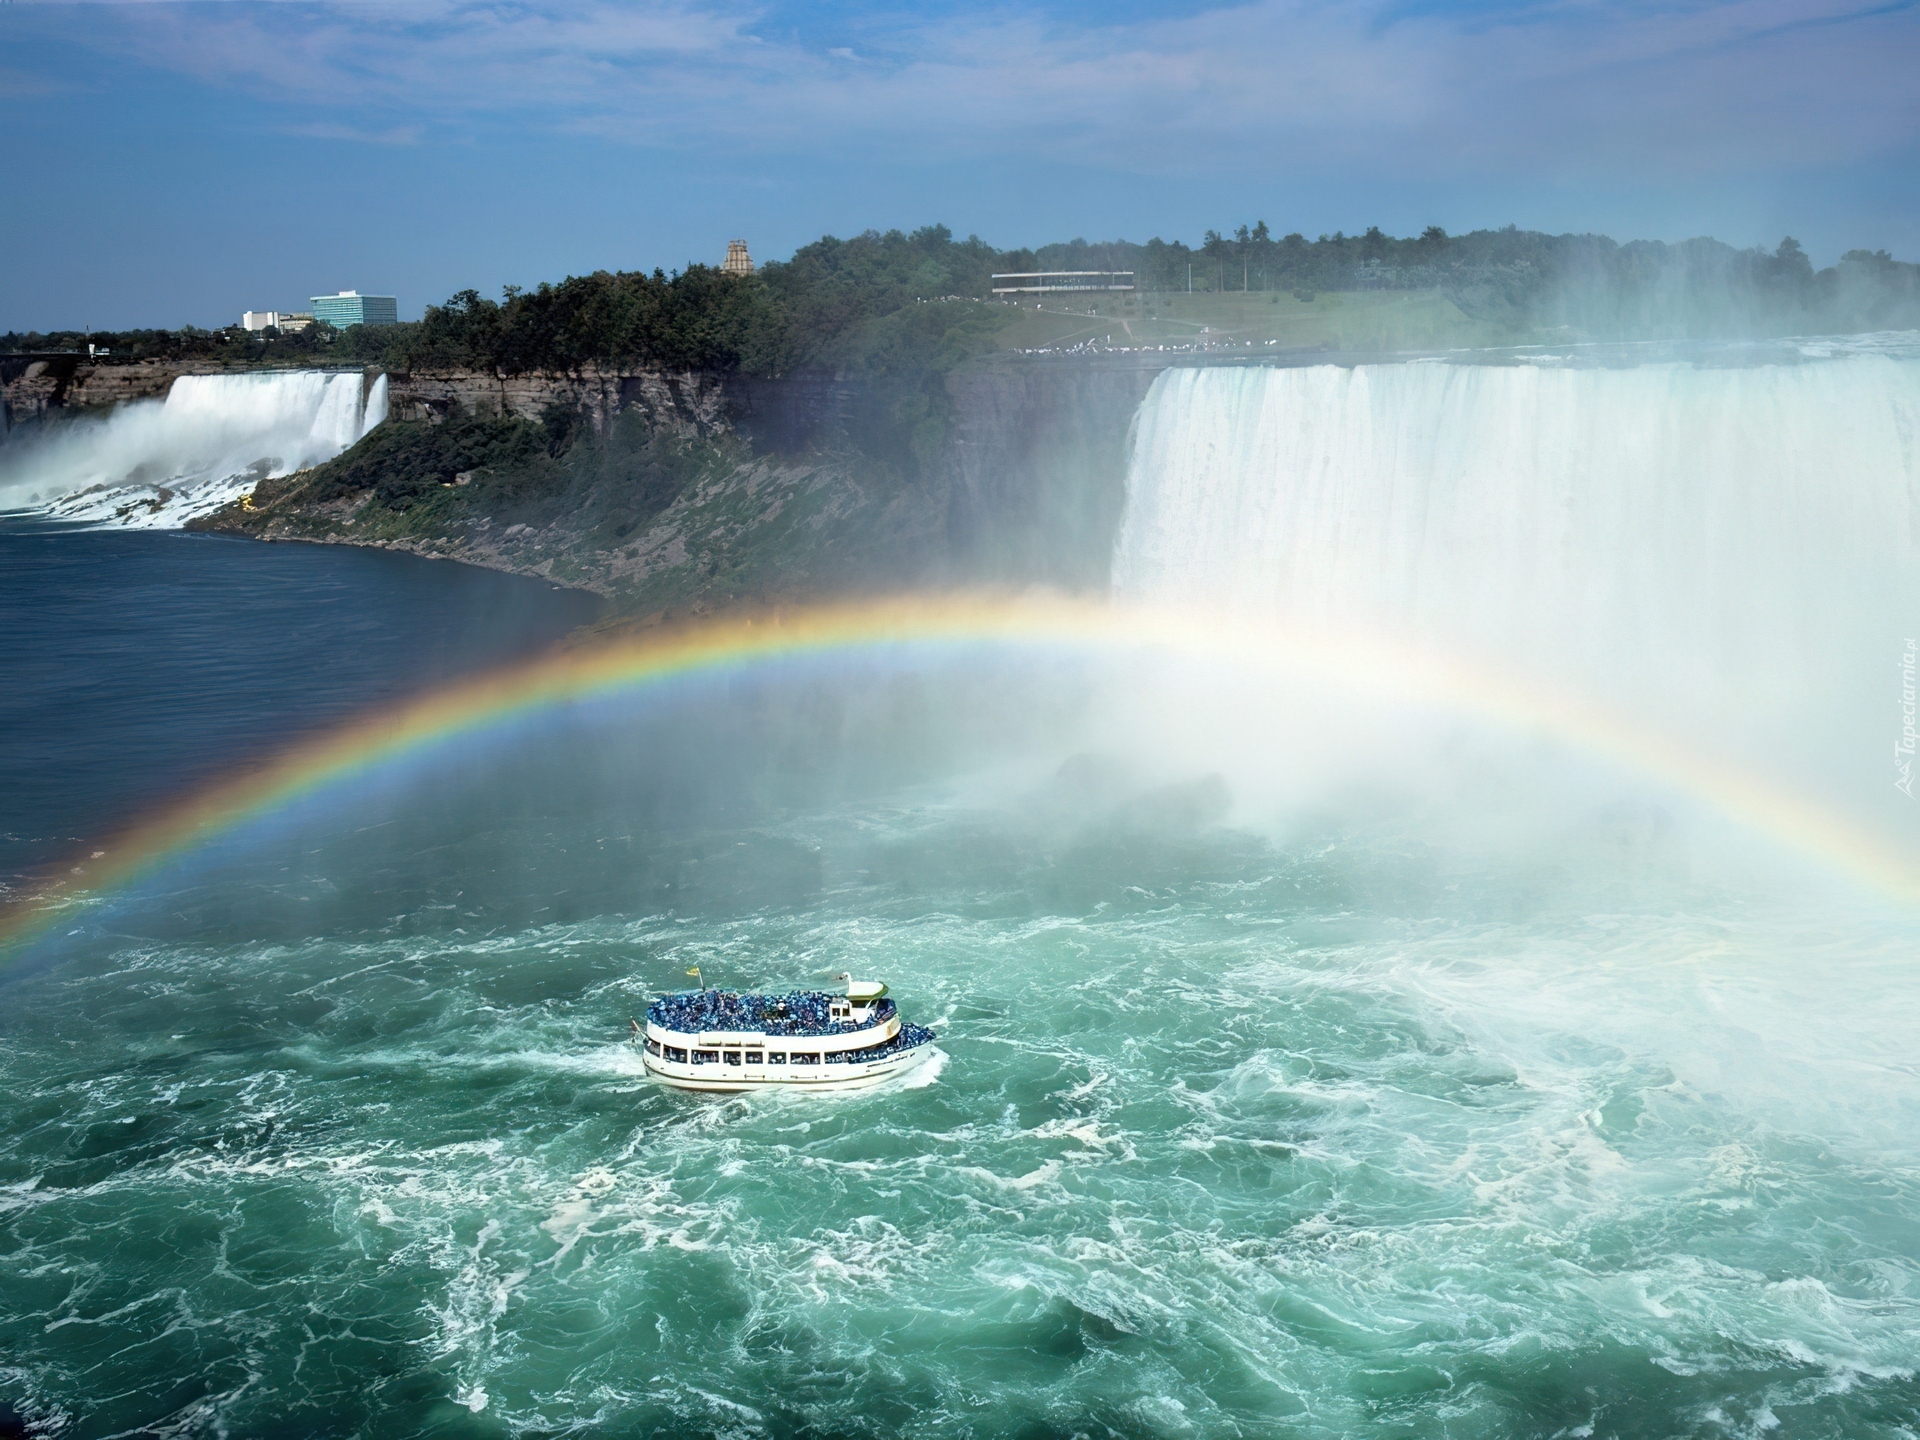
point(1312, 1065)
point(1242, 1127)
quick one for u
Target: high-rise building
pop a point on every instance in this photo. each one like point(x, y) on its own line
point(350, 307)
point(738, 262)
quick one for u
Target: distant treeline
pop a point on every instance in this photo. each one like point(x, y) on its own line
point(1588, 283)
point(899, 304)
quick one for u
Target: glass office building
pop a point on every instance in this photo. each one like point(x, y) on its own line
point(350, 307)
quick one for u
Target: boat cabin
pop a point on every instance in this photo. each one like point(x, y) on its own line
point(752, 1039)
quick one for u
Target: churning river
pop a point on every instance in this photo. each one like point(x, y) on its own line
point(1326, 1051)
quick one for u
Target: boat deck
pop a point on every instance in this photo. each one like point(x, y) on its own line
point(798, 1013)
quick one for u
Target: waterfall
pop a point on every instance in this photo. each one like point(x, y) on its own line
point(158, 463)
point(1727, 553)
point(376, 411)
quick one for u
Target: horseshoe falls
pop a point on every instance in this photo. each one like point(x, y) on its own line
point(1727, 554)
point(155, 464)
point(1324, 1056)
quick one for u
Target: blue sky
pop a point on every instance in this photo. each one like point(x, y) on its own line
point(174, 163)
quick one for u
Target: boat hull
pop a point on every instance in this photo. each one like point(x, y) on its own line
point(787, 1077)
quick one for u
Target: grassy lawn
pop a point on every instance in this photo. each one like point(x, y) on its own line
point(1346, 320)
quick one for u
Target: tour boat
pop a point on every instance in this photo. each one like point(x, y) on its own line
point(804, 1040)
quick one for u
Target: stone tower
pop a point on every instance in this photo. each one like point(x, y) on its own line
point(738, 262)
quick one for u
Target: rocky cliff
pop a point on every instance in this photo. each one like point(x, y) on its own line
point(669, 492)
point(42, 387)
point(39, 387)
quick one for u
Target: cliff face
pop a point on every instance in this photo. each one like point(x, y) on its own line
point(694, 401)
point(668, 491)
point(676, 492)
point(37, 388)
point(1034, 472)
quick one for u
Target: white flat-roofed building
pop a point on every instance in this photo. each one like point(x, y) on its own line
point(1058, 282)
point(275, 320)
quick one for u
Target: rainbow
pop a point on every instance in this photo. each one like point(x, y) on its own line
point(921, 627)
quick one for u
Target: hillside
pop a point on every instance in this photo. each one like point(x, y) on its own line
point(668, 492)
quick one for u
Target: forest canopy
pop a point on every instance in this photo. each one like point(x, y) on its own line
point(899, 303)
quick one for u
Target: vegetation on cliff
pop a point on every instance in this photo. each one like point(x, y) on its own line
point(878, 304)
point(895, 303)
point(695, 492)
point(653, 519)
point(318, 344)
point(1643, 289)
point(513, 471)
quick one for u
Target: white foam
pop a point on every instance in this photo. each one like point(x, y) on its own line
point(155, 464)
point(923, 1074)
point(1730, 554)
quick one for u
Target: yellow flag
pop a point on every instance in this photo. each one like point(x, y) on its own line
point(694, 971)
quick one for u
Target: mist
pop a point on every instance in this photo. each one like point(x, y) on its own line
point(158, 463)
point(1661, 541)
point(1650, 549)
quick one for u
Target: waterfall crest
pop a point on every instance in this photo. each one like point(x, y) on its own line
point(155, 464)
point(1729, 553)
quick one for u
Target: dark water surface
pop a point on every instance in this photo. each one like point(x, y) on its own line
point(137, 663)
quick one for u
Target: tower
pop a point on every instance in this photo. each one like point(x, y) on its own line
point(738, 262)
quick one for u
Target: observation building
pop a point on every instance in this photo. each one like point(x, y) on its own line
point(1055, 282)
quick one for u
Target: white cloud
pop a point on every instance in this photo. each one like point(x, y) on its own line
point(393, 135)
point(1574, 90)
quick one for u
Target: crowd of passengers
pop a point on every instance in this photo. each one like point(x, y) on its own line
point(801, 1012)
point(908, 1037)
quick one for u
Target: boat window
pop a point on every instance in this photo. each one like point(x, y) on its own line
point(705, 1057)
point(676, 1054)
point(733, 1057)
point(653, 1047)
point(754, 1057)
point(776, 1057)
point(801, 1057)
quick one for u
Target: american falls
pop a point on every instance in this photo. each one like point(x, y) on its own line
point(155, 464)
